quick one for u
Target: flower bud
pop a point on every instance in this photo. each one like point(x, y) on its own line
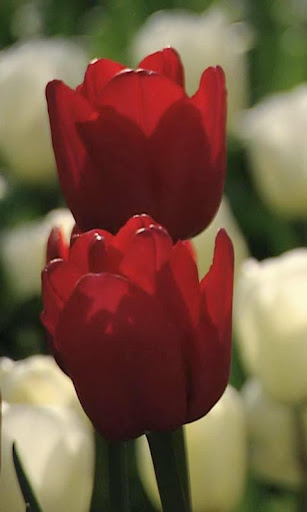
point(274, 133)
point(204, 242)
point(216, 447)
point(273, 444)
point(23, 251)
point(202, 40)
point(24, 71)
point(57, 451)
point(270, 320)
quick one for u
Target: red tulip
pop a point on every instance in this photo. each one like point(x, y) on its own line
point(131, 141)
point(146, 345)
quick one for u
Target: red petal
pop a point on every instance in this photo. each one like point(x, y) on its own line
point(97, 75)
point(145, 255)
point(66, 107)
point(124, 357)
point(217, 285)
point(58, 281)
point(141, 96)
point(79, 251)
point(56, 245)
point(210, 99)
point(211, 354)
point(190, 188)
point(166, 63)
point(118, 178)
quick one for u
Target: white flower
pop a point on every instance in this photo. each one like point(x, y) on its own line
point(270, 320)
point(57, 450)
point(273, 444)
point(275, 135)
point(204, 40)
point(35, 380)
point(25, 70)
point(204, 242)
point(42, 414)
point(23, 251)
point(216, 447)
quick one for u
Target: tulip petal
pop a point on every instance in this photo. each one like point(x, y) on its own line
point(211, 355)
point(142, 96)
point(166, 63)
point(210, 99)
point(56, 245)
point(107, 335)
point(118, 178)
point(66, 107)
point(144, 257)
point(188, 187)
point(97, 75)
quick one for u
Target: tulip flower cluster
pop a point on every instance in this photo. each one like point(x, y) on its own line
point(123, 305)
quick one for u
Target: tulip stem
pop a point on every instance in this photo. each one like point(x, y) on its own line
point(182, 461)
point(166, 465)
point(301, 455)
point(118, 476)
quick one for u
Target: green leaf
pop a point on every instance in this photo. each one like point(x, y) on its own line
point(32, 504)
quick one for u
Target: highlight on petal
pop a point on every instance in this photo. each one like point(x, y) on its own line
point(142, 96)
point(56, 245)
point(167, 63)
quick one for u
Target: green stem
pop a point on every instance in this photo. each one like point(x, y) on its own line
point(301, 455)
point(118, 476)
point(162, 448)
point(182, 461)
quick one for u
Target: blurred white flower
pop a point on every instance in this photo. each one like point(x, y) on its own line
point(25, 70)
point(275, 135)
point(204, 242)
point(270, 320)
point(35, 380)
point(272, 437)
point(23, 251)
point(57, 450)
point(203, 40)
point(216, 447)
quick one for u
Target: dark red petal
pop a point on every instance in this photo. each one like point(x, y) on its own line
point(185, 275)
point(66, 107)
point(145, 255)
point(79, 251)
point(58, 280)
point(210, 99)
point(117, 181)
point(211, 354)
point(57, 246)
point(98, 74)
point(124, 356)
point(141, 96)
point(217, 285)
point(166, 63)
point(189, 189)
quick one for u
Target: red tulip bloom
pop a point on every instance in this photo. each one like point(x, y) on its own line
point(131, 141)
point(146, 345)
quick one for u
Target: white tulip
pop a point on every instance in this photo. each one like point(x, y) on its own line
point(57, 450)
point(35, 380)
point(270, 320)
point(273, 444)
point(25, 70)
point(275, 135)
point(23, 251)
point(204, 40)
point(216, 447)
point(204, 242)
